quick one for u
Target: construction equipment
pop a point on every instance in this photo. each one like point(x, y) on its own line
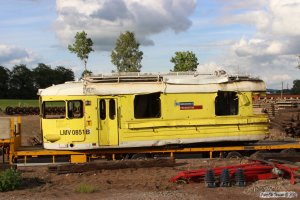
point(255, 170)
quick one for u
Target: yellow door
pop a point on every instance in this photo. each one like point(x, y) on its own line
point(108, 122)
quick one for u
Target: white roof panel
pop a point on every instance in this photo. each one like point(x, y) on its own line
point(77, 88)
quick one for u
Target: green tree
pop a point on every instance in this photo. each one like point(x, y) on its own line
point(21, 83)
point(82, 47)
point(4, 79)
point(62, 74)
point(126, 56)
point(296, 87)
point(86, 73)
point(43, 76)
point(184, 61)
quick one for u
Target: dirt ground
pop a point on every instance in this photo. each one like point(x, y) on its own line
point(30, 128)
point(131, 183)
point(141, 183)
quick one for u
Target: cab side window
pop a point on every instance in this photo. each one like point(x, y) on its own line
point(54, 109)
point(75, 109)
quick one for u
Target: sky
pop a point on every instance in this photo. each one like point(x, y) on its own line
point(260, 38)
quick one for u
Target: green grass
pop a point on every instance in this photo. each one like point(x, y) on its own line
point(18, 102)
point(85, 188)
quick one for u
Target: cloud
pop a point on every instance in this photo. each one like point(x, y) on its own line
point(209, 68)
point(13, 55)
point(104, 20)
point(272, 69)
point(285, 17)
point(259, 48)
point(277, 29)
point(271, 51)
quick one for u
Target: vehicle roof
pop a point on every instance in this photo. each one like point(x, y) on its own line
point(151, 83)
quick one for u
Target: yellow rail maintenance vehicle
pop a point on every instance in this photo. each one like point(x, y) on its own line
point(130, 110)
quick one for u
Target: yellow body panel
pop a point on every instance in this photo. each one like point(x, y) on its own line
point(175, 123)
point(108, 127)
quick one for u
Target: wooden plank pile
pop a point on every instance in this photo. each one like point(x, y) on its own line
point(288, 121)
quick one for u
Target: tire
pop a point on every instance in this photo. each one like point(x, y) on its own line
point(289, 151)
point(139, 156)
point(234, 155)
point(259, 154)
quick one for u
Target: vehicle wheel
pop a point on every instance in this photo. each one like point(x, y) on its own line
point(258, 154)
point(126, 157)
point(289, 151)
point(234, 155)
point(139, 156)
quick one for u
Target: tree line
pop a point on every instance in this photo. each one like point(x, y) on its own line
point(295, 89)
point(23, 83)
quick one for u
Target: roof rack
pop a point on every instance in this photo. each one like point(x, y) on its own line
point(243, 78)
point(132, 77)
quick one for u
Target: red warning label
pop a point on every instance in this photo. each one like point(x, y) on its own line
point(195, 107)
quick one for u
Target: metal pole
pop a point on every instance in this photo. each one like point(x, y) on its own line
point(281, 90)
point(3, 154)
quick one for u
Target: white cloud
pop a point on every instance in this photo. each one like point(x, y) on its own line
point(279, 77)
point(271, 51)
point(209, 68)
point(285, 17)
point(258, 18)
point(13, 55)
point(272, 69)
point(277, 25)
point(258, 47)
point(104, 20)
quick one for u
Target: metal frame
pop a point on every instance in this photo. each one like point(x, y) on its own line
point(112, 153)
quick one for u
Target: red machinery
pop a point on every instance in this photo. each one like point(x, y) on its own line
point(256, 170)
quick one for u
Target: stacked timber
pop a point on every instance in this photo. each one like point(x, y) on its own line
point(288, 121)
point(273, 106)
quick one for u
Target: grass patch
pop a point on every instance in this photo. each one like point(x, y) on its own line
point(85, 188)
point(10, 179)
point(18, 102)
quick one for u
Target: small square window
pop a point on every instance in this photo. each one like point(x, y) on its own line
point(75, 109)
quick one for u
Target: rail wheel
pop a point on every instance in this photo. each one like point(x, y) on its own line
point(289, 151)
point(140, 156)
point(234, 155)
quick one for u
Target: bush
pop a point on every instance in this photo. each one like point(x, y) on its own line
point(84, 188)
point(10, 179)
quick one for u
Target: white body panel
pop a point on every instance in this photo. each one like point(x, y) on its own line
point(154, 143)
